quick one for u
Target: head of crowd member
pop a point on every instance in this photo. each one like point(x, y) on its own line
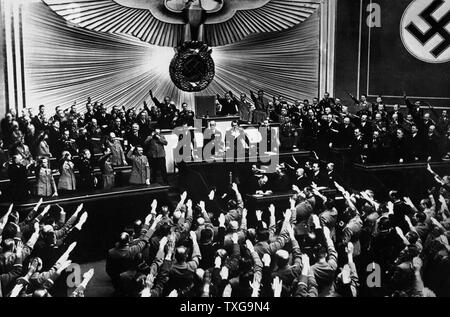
point(263, 180)
point(414, 129)
point(66, 155)
point(300, 172)
point(43, 163)
point(94, 123)
point(426, 116)
point(48, 233)
point(327, 110)
point(212, 125)
point(329, 118)
point(9, 117)
point(378, 117)
point(379, 100)
point(243, 97)
point(409, 117)
point(282, 258)
point(432, 129)
point(363, 118)
point(135, 128)
point(265, 122)
point(86, 154)
point(167, 100)
point(316, 167)
point(8, 255)
point(363, 98)
point(181, 254)
point(59, 112)
point(206, 236)
point(143, 116)
point(184, 107)
point(395, 117)
point(376, 135)
point(260, 93)
point(344, 110)
point(311, 113)
point(139, 151)
point(42, 110)
point(111, 136)
point(117, 122)
point(66, 135)
point(357, 133)
point(17, 159)
point(234, 125)
point(326, 95)
point(330, 167)
point(444, 114)
point(315, 101)
point(346, 121)
point(418, 103)
point(124, 240)
point(400, 134)
point(102, 109)
point(380, 107)
point(56, 125)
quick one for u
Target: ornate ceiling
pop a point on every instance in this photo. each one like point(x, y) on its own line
point(152, 22)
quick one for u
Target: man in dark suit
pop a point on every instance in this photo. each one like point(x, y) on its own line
point(376, 150)
point(401, 147)
point(365, 128)
point(229, 106)
point(103, 118)
point(346, 133)
point(317, 176)
point(261, 107)
point(417, 144)
point(432, 146)
point(18, 175)
point(212, 134)
point(327, 101)
point(134, 137)
point(396, 110)
point(302, 179)
point(126, 254)
point(358, 147)
point(157, 155)
point(167, 111)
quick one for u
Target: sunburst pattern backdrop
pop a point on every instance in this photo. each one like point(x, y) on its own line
point(66, 64)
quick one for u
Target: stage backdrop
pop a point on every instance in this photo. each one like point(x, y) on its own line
point(389, 47)
point(66, 64)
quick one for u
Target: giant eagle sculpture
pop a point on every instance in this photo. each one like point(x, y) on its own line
point(192, 27)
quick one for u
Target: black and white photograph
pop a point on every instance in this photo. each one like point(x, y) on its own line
point(224, 156)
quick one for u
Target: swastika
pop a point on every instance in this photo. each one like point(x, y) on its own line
point(436, 27)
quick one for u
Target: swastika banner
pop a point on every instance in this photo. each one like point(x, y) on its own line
point(405, 47)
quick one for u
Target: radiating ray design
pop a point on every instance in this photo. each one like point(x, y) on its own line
point(64, 63)
point(113, 17)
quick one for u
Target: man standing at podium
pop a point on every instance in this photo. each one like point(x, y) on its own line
point(157, 155)
point(229, 106)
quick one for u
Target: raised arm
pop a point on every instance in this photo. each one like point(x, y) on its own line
point(196, 255)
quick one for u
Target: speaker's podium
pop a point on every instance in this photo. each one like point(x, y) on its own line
point(205, 109)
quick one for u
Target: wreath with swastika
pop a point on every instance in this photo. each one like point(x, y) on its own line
point(192, 68)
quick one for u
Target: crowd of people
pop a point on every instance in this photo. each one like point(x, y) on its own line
point(35, 252)
point(318, 247)
point(30, 144)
